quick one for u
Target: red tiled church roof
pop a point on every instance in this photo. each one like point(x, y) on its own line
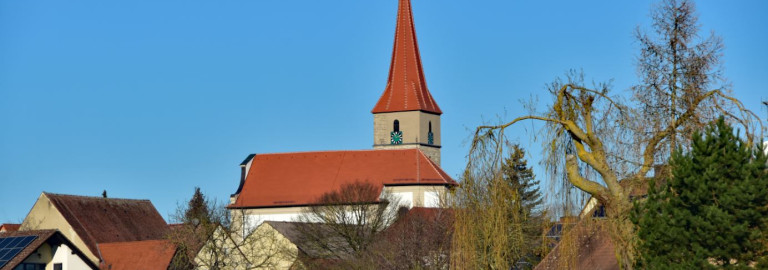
point(287, 179)
point(104, 220)
point(406, 88)
point(146, 255)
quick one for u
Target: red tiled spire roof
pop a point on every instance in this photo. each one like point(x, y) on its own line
point(406, 87)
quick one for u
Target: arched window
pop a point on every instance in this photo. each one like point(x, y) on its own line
point(396, 136)
point(430, 135)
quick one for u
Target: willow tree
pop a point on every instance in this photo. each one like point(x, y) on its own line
point(606, 146)
point(488, 229)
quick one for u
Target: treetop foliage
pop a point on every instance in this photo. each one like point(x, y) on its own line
point(712, 212)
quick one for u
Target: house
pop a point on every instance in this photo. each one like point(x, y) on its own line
point(422, 233)
point(41, 249)
point(587, 245)
point(765, 147)
point(9, 227)
point(262, 248)
point(298, 252)
point(95, 225)
point(404, 161)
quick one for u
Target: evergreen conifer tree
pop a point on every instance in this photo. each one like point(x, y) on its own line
point(712, 213)
point(528, 219)
point(521, 178)
point(197, 209)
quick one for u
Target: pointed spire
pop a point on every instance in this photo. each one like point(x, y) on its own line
point(406, 87)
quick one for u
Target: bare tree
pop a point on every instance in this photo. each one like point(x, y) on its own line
point(343, 224)
point(595, 158)
point(419, 239)
point(597, 140)
point(676, 68)
point(206, 238)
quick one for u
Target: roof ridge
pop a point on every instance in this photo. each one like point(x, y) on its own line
point(434, 167)
point(27, 232)
point(135, 241)
point(91, 197)
point(330, 151)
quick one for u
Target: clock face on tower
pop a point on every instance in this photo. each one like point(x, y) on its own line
point(396, 137)
point(430, 138)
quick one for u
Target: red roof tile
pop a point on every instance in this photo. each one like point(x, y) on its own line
point(103, 220)
point(145, 255)
point(287, 179)
point(9, 227)
point(406, 88)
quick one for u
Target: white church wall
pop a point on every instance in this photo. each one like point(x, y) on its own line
point(432, 199)
point(408, 196)
point(404, 198)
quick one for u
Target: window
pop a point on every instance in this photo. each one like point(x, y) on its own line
point(396, 136)
point(430, 135)
point(30, 266)
point(599, 212)
point(57, 266)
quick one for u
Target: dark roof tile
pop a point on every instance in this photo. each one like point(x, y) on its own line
point(104, 220)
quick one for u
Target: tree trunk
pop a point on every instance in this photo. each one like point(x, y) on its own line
point(622, 232)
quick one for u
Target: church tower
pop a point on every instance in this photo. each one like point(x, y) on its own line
point(406, 115)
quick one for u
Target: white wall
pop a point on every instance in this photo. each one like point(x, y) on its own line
point(432, 199)
point(68, 260)
point(404, 198)
point(765, 147)
point(409, 196)
point(253, 221)
point(61, 254)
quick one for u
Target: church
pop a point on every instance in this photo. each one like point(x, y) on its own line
point(404, 161)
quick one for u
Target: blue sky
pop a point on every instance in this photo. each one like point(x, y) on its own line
point(148, 99)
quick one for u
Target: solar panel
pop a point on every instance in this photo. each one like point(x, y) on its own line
point(11, 246)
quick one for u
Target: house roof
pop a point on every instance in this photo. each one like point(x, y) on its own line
point(406, 88)
point(592, 248)
point(9, 227)
point(298, 179)
point(293, 231)
point(40, 237)
point(104, 220)
point(146, 255)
